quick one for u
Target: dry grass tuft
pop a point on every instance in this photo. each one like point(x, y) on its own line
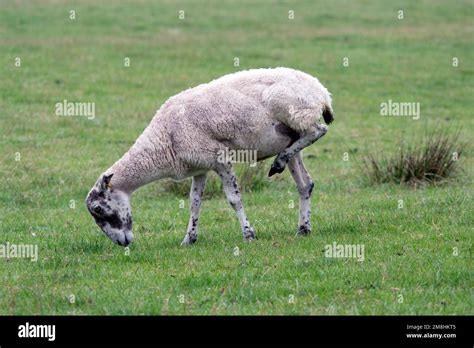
point(432, 159)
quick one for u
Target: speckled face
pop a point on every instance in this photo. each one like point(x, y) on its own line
point(111, 210)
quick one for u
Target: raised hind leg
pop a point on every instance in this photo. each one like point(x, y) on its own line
point(306, 139)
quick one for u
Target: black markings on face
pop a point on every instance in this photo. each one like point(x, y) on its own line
point(114, 220)
point(100, 221)
point(95, 196)
point(103, 213)
point(128, 222)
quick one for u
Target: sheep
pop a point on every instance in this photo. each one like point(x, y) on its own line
point(274, 112)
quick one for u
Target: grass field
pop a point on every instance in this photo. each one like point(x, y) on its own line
point(418, 258)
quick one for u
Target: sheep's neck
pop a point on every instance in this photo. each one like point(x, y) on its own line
point(149, 159)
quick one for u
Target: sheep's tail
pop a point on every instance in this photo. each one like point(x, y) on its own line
point(327, 115)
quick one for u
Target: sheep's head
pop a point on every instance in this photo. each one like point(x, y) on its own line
point(110, 207)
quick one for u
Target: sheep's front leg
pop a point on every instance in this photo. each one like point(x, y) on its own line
point(229, 182)
point(305, 140)
point(305, 188)
point(195, 197)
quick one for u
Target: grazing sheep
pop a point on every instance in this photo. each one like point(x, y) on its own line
point(269, 111)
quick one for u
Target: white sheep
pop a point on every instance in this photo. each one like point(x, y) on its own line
point(267, 111)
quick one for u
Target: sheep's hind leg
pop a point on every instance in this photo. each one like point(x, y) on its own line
point(232, 193)
point(195, 198)
point(305, 188)
point(305, 140)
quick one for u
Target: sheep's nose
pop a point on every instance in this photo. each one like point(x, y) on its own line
point(124, 242)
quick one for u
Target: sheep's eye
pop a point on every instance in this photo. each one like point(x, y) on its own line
point(98, 209)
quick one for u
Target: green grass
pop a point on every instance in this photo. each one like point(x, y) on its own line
point(408, 251)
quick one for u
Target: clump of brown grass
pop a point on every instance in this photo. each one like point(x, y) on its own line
point(431, 159)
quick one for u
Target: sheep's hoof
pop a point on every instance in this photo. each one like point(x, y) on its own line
point(249, 234)
point(303, 230)
point(276, 168)
point(188, 240)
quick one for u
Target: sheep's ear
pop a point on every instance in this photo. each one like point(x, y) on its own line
point(106, 181)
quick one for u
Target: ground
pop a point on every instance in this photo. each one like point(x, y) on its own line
point(418, 254)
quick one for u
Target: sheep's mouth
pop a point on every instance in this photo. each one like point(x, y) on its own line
point(124, 239)
point(125, 243)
